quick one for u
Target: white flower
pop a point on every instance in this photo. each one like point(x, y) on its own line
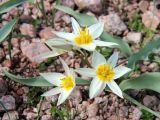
point(85, 38)
point(104, 73)
point(65, 83)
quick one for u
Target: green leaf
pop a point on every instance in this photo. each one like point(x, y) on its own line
point(84, 20)
point(59, 44)
point(5, 7)
point(50, 54)
point(149, 81)
point(33, 81)
point(80, 81)
point(38, 81)
point(140, 105)
point(144, 52)
point(4, 31)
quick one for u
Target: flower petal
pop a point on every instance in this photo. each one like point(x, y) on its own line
point(53, 78)
point(65, 66)
point(88, 72)
point(120, 71)
point(53, 91)
point(97, 59)
point(66, 36)
point(63, 96)
point(104, 44)
point(90, 47)
point(75, 26)
point(113, 59)
point(115, 88)
point(96, 30)
point(96, 87)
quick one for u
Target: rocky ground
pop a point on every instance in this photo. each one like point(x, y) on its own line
point(130, 20)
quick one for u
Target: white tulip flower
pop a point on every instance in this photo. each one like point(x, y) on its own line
point(104, 73)
point(65, 83)
point(85, 37)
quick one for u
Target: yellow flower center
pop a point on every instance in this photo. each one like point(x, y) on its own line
point(84, 38)
point(105, 72)
point(67, 83)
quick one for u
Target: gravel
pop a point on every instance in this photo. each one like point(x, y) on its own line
point(116, 15)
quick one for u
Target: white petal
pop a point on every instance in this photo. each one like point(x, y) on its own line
point(90, 47)
point(104, 44)
point(65, 66)
point(120, 71)
point(75, 26)
point(97, 59)
point(96, 87)
point(96, 30)
point(63, 96)
point(115, 88)
point(113, 59)
point(53, 78)
point(72, 73)
point(66, 36)
point(53, 91)
point(88, 72)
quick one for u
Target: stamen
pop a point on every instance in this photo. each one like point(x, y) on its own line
point(84, 38)
point(67, 83)
point(105, 72)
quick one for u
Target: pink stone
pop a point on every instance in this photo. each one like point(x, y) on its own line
point(33, 50)
point(150, 20)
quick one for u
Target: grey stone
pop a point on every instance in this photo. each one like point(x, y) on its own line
point(8, 102)
point(134, 37)
point(12, 114)
point(113, 23)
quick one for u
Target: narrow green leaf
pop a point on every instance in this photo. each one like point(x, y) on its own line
point(58, 43)
point(4, 31)
point(149, 81)
point(33, 81)
point(144, 52)
point(38, 81)
point(140, 105)
point(80, 81)
point(84, 20)
point(5, 7)
point(50, 54)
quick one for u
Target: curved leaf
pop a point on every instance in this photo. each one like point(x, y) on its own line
point(84, 20)
point(144, 52)
point(38, 81)
point(5, 7)
point(33, 81)
point(149, 81)
point(140, 105)
point(4, 31)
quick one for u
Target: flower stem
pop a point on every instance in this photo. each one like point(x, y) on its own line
point(83, 56)
point(40, 104)
point(54, 12)
point(10, 46)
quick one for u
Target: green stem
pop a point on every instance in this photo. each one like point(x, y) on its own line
point(140, 105)
point(43, 11)
point(10, 46)
point(54, 12)
point(83, 56)
point(86, 59)
point(40, 105)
